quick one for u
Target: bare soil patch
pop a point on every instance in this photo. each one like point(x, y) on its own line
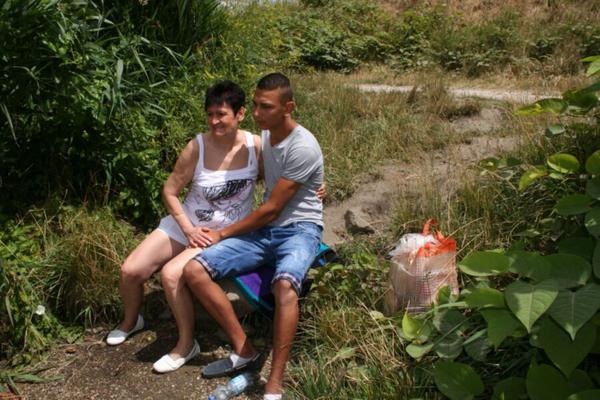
point(373, 200)
point(91, 369)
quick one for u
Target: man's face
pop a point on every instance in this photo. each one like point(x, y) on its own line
point(221, 119)
point(269, 109)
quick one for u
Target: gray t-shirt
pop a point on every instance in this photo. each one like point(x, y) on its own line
point(297, 158)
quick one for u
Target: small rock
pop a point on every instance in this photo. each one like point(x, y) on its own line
point(357, 221)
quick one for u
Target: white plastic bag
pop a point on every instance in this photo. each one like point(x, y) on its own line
point(422, 264)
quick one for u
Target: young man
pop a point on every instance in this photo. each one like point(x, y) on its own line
point(285, 231)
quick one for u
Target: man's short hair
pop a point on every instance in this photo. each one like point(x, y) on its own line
point(225, 92)
point(277, 80)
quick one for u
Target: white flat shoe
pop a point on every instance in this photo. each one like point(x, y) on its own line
point(117, 336)
point(167, 364)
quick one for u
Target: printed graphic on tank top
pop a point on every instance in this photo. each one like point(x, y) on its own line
point(220, 198)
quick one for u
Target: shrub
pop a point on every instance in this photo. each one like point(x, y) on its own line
point(84, 96)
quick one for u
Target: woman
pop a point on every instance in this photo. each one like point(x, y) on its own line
point(222, 166)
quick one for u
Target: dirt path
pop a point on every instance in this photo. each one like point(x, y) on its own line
point(92, 370)
point(370, 206)
point(514, 96)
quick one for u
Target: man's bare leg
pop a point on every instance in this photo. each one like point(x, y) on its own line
point(284, 330)
point(216, 303)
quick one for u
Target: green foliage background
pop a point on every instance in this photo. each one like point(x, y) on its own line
point(98, 97)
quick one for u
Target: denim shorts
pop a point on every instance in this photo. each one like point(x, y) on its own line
point(290, 249)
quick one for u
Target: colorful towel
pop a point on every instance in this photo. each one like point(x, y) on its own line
point(256, 285)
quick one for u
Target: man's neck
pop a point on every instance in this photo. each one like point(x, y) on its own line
point(279, 133)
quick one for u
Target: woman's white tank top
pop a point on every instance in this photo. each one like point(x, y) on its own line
point(219, 198)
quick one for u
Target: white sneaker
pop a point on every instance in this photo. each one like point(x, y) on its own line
point(117, 336)
point(167, 364)
point(272, 396)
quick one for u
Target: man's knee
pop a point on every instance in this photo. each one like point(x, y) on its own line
point(284, 293)
point(195, 274)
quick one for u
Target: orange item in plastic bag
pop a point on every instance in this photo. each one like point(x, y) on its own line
point(422, 264)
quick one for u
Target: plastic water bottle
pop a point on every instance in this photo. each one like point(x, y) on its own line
point(234, 387)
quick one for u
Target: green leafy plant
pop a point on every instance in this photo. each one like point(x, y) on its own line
point(519, 302)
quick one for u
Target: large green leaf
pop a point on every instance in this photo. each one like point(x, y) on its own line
point(569, 270)
point(449, 320)
point(546, 383)
point(501, 324)
point(478, 346)
point(555, 130)
point(580, 381)
point(579, 246)
point(456, 380)
point(485, 297)
point(593, 394)
point(596, 259)
point(553, 105)
point(530, 176)
point(592, 164)
point(449, 346)
point(592, 188)
point(530, 265)
point(565, 353)
point(574, 204)
point(484, 263)
point(512, 388)
point(563, 163)
point(592, 222)
point(573, 309)
point(594, 66)
point(417, 351)
point(529, 302)
point(579, 102)
point(415, 328)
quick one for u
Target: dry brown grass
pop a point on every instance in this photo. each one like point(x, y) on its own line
point(477, 11)
point(514, 77)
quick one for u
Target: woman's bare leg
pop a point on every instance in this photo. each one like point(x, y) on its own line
point(180, 300)
point(156, 249)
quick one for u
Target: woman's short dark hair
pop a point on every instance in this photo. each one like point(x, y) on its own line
point(225, 92)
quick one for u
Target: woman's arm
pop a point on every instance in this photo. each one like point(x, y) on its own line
point(182, 174)
point(258, 147)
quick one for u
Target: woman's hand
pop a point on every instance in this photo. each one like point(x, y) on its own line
point(322, 192)
point(198, 238)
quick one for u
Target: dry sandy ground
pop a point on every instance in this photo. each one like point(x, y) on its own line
point(91, 369)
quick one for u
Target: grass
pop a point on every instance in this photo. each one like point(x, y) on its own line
point(359, 131)
point(84, 251)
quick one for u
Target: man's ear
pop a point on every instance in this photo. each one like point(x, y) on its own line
point(241, 114)
point(290, 106)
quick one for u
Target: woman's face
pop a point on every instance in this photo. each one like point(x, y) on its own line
point(222, 120)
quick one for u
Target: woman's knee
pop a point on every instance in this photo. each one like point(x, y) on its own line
point(132, 271)
point(171, 274)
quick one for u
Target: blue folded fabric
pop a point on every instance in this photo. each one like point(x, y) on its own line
point(256, 285)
